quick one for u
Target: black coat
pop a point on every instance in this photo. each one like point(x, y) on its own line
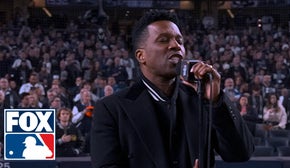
point(72, 148)
point(124, 130)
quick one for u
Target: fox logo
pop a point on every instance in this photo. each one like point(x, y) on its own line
point(29, 134)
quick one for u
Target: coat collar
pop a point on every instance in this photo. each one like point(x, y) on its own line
point(145, 122)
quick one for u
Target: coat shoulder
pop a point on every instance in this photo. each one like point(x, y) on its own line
point(130, 93)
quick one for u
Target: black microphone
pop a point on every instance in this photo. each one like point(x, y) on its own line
point(207, 77)
point(185, 67)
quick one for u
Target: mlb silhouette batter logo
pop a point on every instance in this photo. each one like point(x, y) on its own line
point(29, 134)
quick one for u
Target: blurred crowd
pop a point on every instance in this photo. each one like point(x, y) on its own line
point(70, 69)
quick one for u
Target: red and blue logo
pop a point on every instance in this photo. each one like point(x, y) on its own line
point(29, 134)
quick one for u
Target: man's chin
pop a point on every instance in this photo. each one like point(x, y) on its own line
point(172, 75)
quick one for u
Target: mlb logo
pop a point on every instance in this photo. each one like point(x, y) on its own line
point(29, 134)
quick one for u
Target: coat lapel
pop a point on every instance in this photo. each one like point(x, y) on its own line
point(144, 120)
point(190, 123)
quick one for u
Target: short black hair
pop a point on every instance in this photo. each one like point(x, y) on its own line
point(23, 95)
point(139, 30)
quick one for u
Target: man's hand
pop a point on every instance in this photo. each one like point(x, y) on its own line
point(66, 138)
point(200, 70)
point(196, 164)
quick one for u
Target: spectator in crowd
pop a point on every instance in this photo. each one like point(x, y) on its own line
point(12, 99)
point(33, 83)
point(46, 69)
point(24, 100)
point(106, 60)
point(3, 106)
point(239, 81)
point(280, 75)
point(244, 88)
point(25, 31)
point(97, 71)
point(22, 60)
point(108, 90)
point(5, 64)
point(62, 93)
point(88, 86)
point(98, 86)
point(62, 74)
point(44, 78)
point(284, 100)
point(82, 115)
point(50, 94)
point(69, 140)
point(230, 91)
point(248, 113)
point(33, 55)
point(46, 63)
point(34, 101)
point(225, 70)
point(22, 72)
point(256, 82)
point(56, 103)
point(267, 86)
point(88, 58)
point(77, 88)
point(259, 61)
point(41, 98)
point(73, 69)
point(111, 80)
point(13, 85)
point(275, 116)
point(119, 72)
point(128, 63)
point(87, 64)
point(54, 59)
point(88, 73)
point(238, 68)
point(256, 100)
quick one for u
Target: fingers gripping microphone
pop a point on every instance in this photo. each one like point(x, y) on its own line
point(185, 67)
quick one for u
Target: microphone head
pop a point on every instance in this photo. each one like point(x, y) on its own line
point(185, 67)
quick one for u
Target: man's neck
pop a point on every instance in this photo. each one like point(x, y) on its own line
point(64, 123)
point(166, 86)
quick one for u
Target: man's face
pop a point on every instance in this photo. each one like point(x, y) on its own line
point(56, 103)
point(64, 116)
point(25, 100)
point(243, 101)
point(229, 84)
point(4, 83)
point(33, 79)
point(86, 96)
point(162, 50)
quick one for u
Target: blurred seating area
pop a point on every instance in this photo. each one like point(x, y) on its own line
point(272, 142)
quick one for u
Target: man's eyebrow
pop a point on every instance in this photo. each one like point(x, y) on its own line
point(169, 34)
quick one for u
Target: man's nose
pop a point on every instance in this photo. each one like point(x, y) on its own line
point(174, 45)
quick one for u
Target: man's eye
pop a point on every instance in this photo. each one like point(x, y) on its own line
point(163, 39)
point(180, 41)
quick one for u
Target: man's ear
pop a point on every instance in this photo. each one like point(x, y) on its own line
point(140, 55)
